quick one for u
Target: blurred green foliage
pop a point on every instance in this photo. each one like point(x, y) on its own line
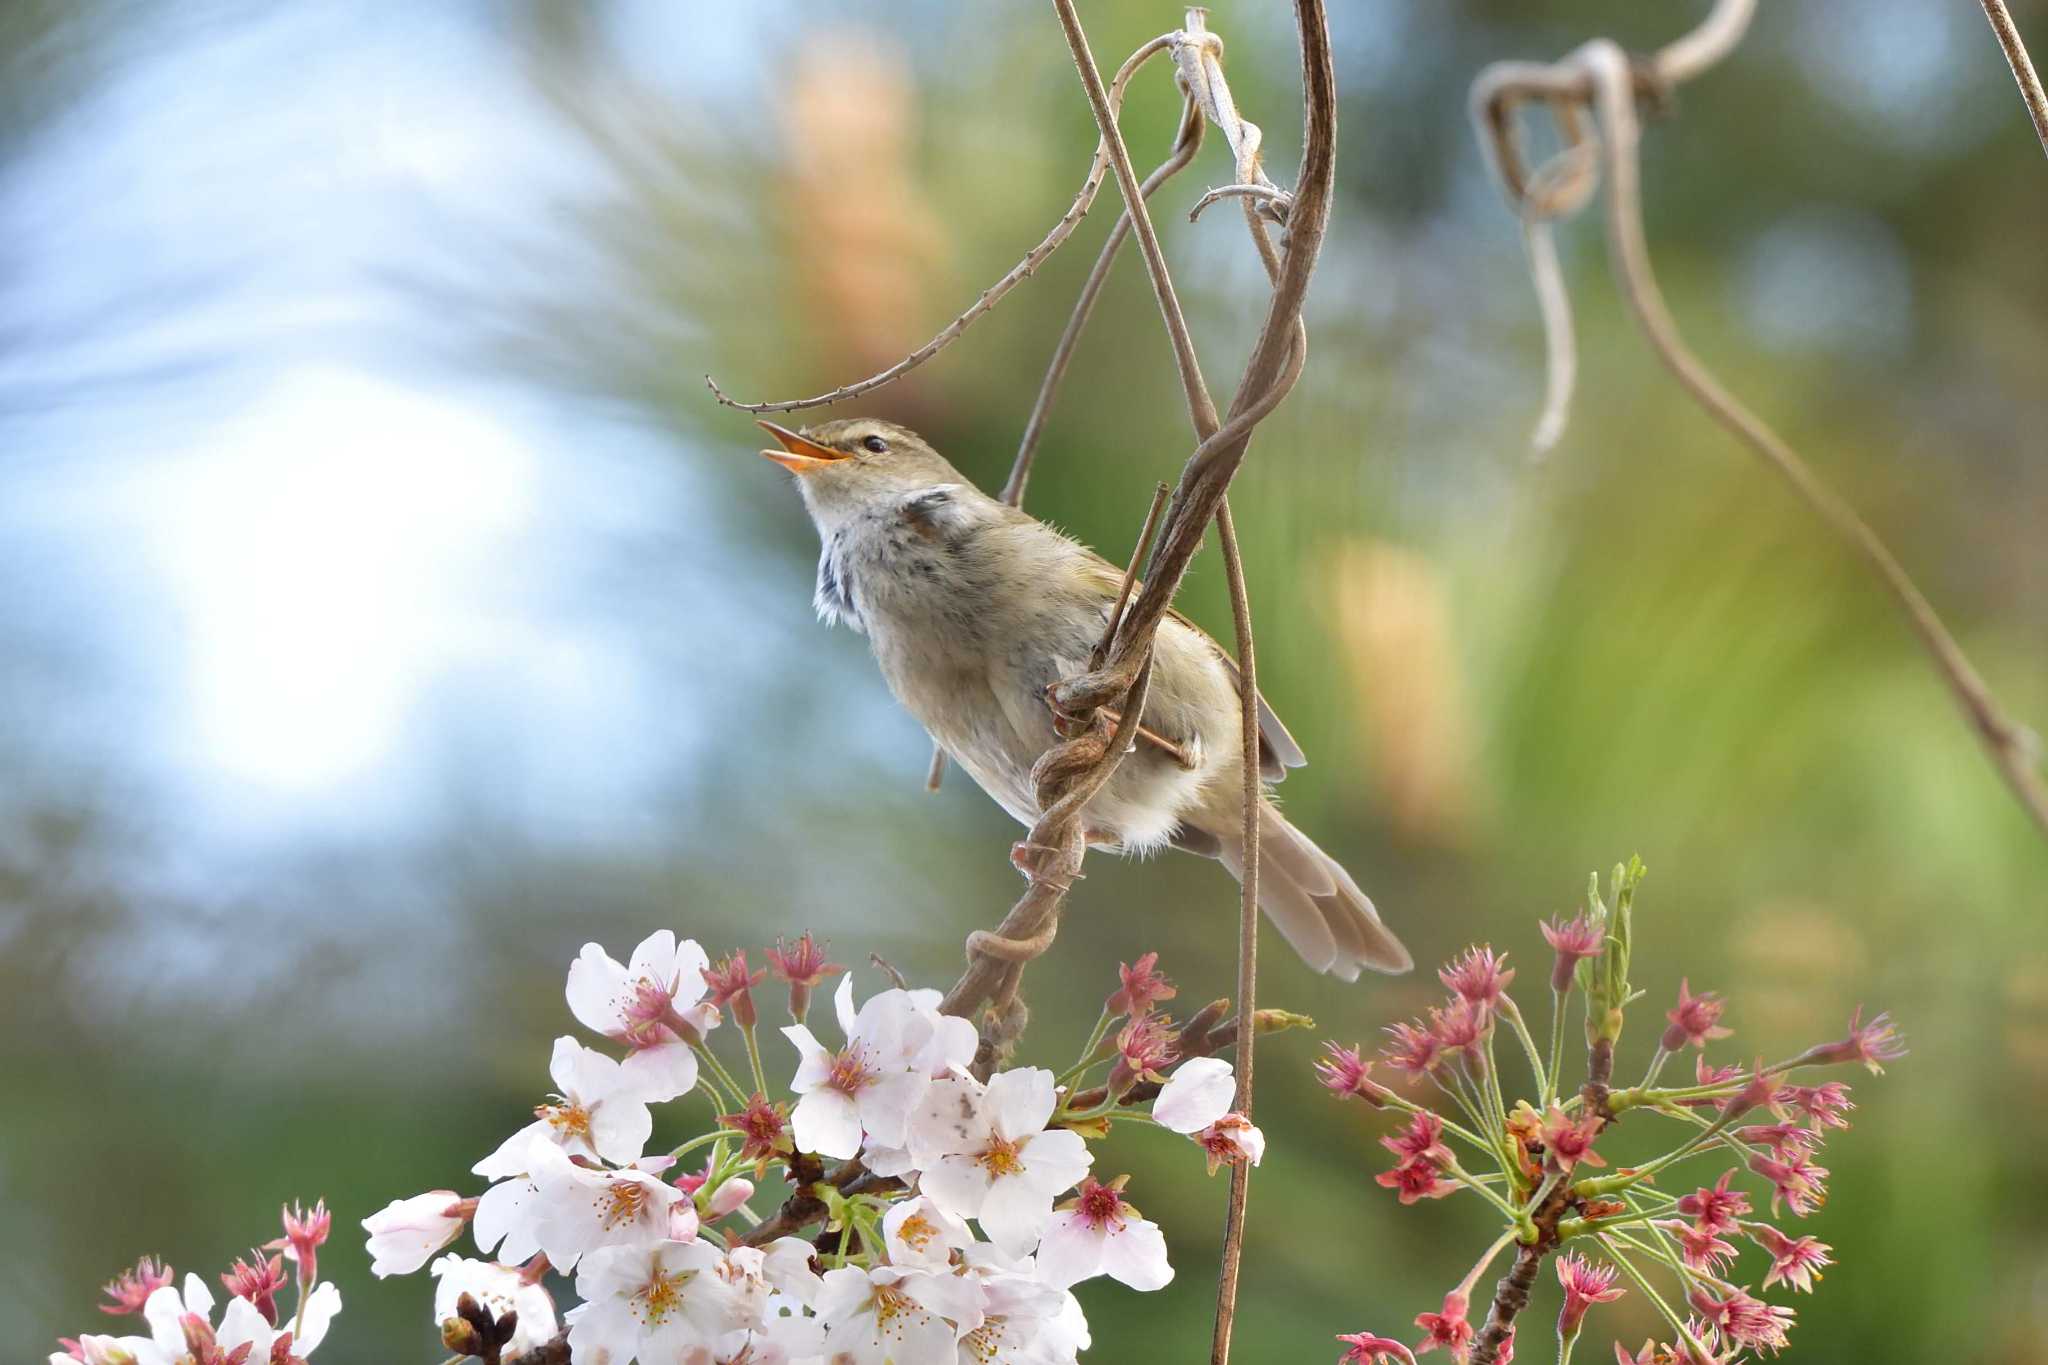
point(1505, 674)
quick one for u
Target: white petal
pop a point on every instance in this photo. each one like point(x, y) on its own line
point(241, 1324)
point(198, 1298)
point(886, 1102)
point(814, 1063)
point(826, 1122)
point(597, 985)
point(505, 1213)
point(654, 958)
point(619, 1129)
point(1015, 1215)
point(1136, 1255)
point(161, 1310)
point(1198, 1093)
point(660, 1073)
point(1055, 1160)
point(842, 1004)
point(514, 1153)
point(951, 1046)
point(950, 1119)
point(323, 1305)
point(1070, 1251)
point(957, 1184)
point(1021, 1101)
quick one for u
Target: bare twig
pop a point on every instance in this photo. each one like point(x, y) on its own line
point(1271, 199)
point(991, 296)
point(2022, 66)
point(1601, 78)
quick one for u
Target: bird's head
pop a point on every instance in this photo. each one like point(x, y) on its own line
point(842, 468)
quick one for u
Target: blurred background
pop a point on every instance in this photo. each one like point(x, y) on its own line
point(386, 609)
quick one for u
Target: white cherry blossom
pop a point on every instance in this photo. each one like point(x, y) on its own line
point(985, 1153)
point(599, 1110)
point(406, 1232)
point(895, 1315)
point(502, 1290)
point(575, 1209)
point(109, 1350)
point(895, 1044)
point(1102, 1234)
point(654, 1303)
point(654, 1005)
point(918, 1232)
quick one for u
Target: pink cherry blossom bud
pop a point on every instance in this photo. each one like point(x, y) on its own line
point(1761, 1091)
point(1478, 976)
point(1795, 1182)
point(1448, 1329)
point(127, 1291)
point(1716, 1209)
point(1415, 1049)
point(1701, 1248)
point(1784, 1138)
point(729, 1197)
point(1144, 986)
point(1416, 1180)
point(1573, 941)
point(1696, 1020)
point(802, 964)
point(1363, 1348)
point(1871, 1044)
point(1344, 1072)
point(1568, 1142)
point(1585, 1284)
point(1421, 1140)
point(305, 1233)
point(763, 1128)
point(1740, 1319)
point(1144, 1047)
point(257, 1280)
point(1796, 1261)
point(1462, 1028)
point(1822, 1106)
point(732, 988)
point(405, 1233)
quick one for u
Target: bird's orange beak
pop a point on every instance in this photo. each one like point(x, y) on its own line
point(799, 454)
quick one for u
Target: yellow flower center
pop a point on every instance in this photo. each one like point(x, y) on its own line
point(999, 1158)
point(661, 1296)
point(568, 1119)
point(623, 1201)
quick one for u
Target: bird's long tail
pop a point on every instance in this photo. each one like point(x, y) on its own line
point(1314, 903)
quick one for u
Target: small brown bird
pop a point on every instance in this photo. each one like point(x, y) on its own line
point(975, 607)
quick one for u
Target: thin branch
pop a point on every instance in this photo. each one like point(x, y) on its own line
point(1601, 76)
point(991, 296)
point(2010, 747)
point(1271, 199)
point(2022, 66)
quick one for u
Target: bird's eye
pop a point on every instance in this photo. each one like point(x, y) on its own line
point(875, 445)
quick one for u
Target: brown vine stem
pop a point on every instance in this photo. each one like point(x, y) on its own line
point(1271, 371)
point(1600, 76)
point(2022, 66)
point(2009, 746)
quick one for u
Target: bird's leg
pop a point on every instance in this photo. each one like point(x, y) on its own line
point(1146, 733)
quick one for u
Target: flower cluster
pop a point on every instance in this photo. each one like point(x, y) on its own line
point(252, 1329)
point(948, 1211)
point(1538, 1164)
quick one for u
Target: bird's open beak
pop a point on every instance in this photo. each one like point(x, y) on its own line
point(799, 454)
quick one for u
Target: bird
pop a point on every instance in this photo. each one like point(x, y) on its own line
point(974, 608)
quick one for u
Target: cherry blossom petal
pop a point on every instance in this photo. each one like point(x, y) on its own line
point(1199, 1092)
point(1136, 1255)
point(1070, 1251)
point(1019, 1102)
point(826, 1122)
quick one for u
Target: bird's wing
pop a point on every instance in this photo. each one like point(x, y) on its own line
point(1277, 748)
